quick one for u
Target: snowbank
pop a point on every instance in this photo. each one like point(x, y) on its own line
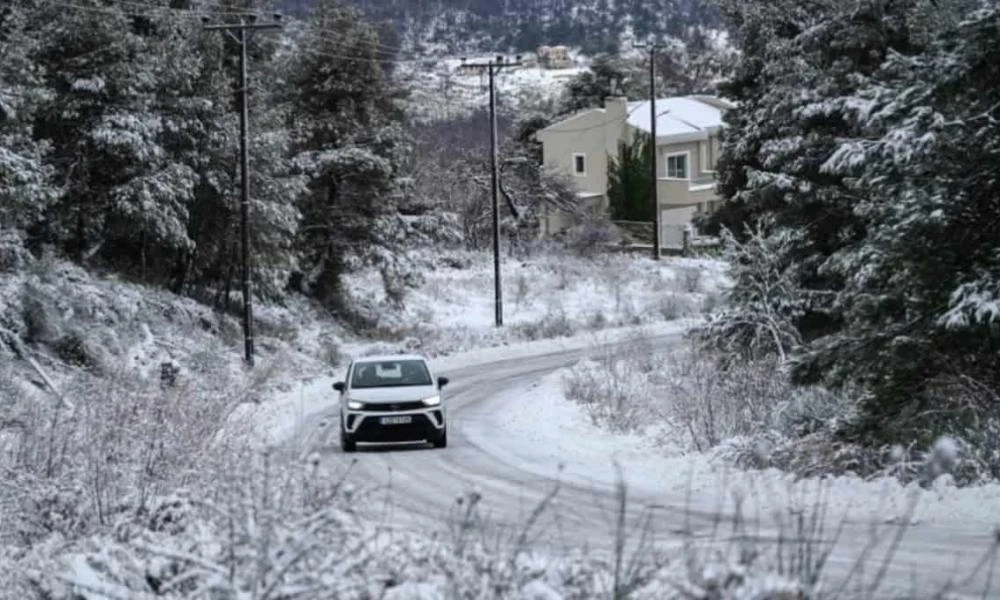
point(543, 432)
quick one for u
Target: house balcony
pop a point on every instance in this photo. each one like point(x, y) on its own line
point(705, 179)
point(687, 192)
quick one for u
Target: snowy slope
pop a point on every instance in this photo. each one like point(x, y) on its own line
point(441, 89)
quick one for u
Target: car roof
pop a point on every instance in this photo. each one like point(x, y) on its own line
point(389, 357)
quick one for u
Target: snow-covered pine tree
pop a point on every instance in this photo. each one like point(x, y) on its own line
point(801, 65)
point(923, 287)
point(137, 148)
point(274, 185)
point(348, 140)
point(87, 55)
point(26, 185)
point(142, 120)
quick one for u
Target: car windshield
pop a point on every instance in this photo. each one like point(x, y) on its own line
point(390, 373)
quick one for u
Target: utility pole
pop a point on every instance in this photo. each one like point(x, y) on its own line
point(493, 67)
point(653, 199)
point(241, 33)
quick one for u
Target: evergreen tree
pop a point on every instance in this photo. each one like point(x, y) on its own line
point(346, 132)
point(923, 287)
point(680, 72)
point(275, 185)
point(26, 186)
point(94, 86)
point(628, 181)
point(799, 70)
point(608, 76)
point(139, 113)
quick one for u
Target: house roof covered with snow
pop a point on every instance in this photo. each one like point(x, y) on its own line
point(679, 119)
point(679, 116)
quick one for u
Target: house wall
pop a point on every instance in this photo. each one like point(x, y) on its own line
point(698, 190)
point(595, 134)
point(665, 150)
point(674, 193)
point(716, 143)
point(702, 157)
point(582, 135)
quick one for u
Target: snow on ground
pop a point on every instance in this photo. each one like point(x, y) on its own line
point(544, 296)
point(541, 431)
point(290, 410)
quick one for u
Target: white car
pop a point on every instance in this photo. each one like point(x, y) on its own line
point(391, 399)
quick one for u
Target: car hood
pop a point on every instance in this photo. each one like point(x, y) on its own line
point(387, 395)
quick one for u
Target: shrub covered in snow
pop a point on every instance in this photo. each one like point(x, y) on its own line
point(747, 413)
point(269, 528)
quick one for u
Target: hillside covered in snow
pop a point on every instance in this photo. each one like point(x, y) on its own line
point(594, 26)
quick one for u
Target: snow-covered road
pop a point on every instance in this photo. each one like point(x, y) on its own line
point(513, 463)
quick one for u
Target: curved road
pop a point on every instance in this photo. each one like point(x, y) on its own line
point(423, 487)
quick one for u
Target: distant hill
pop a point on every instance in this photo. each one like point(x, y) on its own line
point(449, 26)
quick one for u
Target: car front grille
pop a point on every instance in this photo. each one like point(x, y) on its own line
point(393, 407)
point(372, 430)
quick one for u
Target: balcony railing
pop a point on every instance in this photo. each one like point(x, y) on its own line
point(703, 179)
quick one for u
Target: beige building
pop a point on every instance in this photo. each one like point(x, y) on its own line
point(687, 147)
point(554, 57)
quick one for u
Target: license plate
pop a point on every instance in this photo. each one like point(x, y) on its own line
point(400, 420)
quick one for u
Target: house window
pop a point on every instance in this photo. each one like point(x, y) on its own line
point(677, 166)
point(579, 164)
point(707, 164)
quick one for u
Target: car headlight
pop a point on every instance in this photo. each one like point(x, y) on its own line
point(355, 405)
point(432, 401)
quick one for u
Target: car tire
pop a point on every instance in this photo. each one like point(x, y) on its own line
point(347, 443)
point(442, 440)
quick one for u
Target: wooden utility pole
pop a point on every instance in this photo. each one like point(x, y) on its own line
point(653, 48)
point(493, 67)
point(241, 33)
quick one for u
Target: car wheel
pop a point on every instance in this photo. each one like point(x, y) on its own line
point(442, 440)
point(347, 444)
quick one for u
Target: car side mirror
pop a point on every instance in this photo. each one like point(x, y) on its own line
point(442, 381)
point(339, 386)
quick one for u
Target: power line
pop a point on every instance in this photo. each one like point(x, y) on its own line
point(122, 11)
point(304, 22)
point(309, 28)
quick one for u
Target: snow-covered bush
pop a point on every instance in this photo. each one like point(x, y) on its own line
point(676, 306)
point(269, 527)
point(713, 403)
point(744, 412)
point(114, 443)
point(552, 324)
point(13, 255)
point(764, 301)
point(591, 236)
point(615, 388)
point(690, 278)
